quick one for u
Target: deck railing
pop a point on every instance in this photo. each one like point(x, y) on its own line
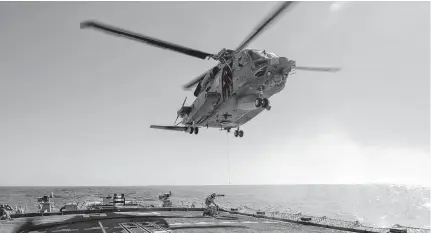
point(337, 224)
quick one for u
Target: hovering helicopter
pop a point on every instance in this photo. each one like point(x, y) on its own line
point(234, 91)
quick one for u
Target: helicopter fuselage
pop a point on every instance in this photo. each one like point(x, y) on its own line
point(238, 91)
point(231, 93)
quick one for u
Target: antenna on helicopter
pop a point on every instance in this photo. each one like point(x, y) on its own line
point(179, 112)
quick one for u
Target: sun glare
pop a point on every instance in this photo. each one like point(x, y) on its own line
point(335, 6)
point(338, 159)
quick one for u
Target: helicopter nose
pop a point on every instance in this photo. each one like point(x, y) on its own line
point(284, 62)
point(278, 65)
point(278, 71)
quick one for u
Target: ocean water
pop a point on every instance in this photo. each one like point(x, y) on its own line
point(375, 205)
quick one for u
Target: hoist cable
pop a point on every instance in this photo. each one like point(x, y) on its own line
point(228, 156)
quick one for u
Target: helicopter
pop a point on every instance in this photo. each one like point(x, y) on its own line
point(234, 91)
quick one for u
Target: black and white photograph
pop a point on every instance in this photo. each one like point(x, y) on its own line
point(215, 116)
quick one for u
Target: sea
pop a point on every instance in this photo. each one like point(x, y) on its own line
point(374, 204)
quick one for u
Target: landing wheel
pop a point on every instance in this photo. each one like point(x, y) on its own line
point(191, 129)
point(238, 133)
point(196, 130)
point(265, 103)
point(258, 102)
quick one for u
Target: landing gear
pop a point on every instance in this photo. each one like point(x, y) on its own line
point(258, 102)
point(262, 102)
point(192, 130)
point(239, 133)
point(236, 133)
point(265, 103)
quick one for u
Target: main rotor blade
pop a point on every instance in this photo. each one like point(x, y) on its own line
point(145, 39)
point(321, 69)
point(257, 31)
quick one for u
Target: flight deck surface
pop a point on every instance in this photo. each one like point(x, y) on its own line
point(158, 222)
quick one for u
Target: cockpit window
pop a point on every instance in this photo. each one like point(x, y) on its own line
point(255, 55)
point(258, 55)
point(271, 55)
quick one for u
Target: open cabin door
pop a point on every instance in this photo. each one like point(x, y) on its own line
point(227, 81)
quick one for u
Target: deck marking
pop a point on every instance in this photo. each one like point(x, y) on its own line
point(94, 228)
point(101, 226)
point(65, 230)
point(202, 223)
point(160, 228)
point(94, 215)
point(218, 223)
point(146, 228)
point(175, 224)
point(139, 213)
point(124, 228)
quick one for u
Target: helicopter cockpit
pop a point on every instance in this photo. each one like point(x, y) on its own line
point(259, 58)
point(256, 55)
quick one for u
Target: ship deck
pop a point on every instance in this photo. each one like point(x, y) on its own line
point(174, 221)
point(179, 220)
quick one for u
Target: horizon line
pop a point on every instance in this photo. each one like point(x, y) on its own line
point(188, 185)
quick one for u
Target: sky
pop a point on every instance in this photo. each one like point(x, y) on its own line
point(76, 105)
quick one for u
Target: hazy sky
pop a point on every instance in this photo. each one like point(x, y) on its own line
point(76, 105)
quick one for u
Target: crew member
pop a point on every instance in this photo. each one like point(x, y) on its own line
point(227, 83)
point(210, 199)
point(165, 199)
point(166, 195)
point(4, 214)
